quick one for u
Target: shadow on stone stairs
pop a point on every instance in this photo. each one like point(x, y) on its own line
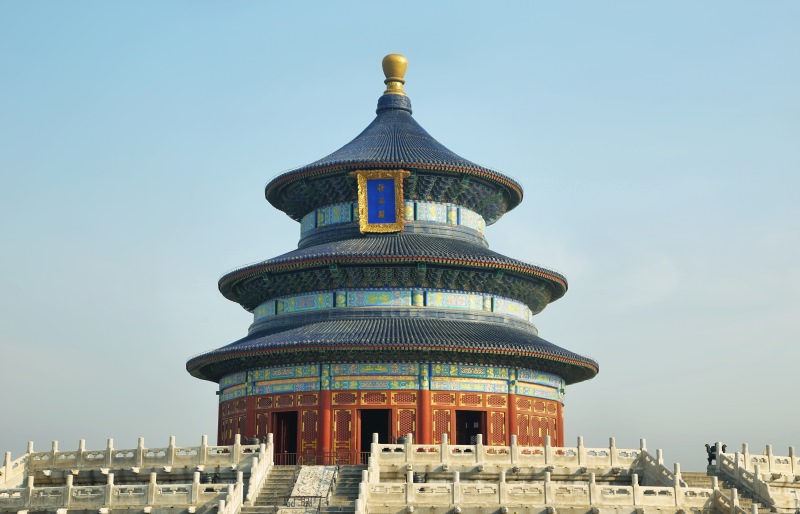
point(345, 492)
point(700, 479)
point(277, 487)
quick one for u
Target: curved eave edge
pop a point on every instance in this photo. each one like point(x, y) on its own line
point(194, 366)
point(226, 282)
point(272, 188)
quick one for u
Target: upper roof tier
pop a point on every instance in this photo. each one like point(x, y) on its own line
point(394, 140)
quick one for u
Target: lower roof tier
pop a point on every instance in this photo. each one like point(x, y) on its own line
point(428, 339)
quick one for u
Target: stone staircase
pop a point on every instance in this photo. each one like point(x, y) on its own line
point(345, 492)
point(277, 486)
point(700, 479)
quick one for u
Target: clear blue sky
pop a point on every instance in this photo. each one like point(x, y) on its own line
point(658, 144)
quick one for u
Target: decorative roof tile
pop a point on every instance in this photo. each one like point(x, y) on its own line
point(400, 338)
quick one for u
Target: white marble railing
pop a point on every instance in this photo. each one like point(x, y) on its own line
point(446, 454)
point(777, 490)
point(259, 470)
point(546, 492)
point(141, 457)
point(12, 473)
point(110, 495)
point(654, 471)
point(770, 463)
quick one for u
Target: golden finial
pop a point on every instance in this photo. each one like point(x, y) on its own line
point(394, 68)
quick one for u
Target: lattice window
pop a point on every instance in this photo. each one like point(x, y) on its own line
point(342, 428)
point(471, 399)
point(241, 406)
point(404, 398)
point(242, 428)
point(523, 430)
point(374, 397)
point(264, 402)
point(551, 408)
point(495, 400)
point(523, 404)
point(444, 398)
point(308, 399)
point(497, 432)
point(406, 422)
point(262, 425)
point(552, 430)
point(309, 430)
point(285, 400)
point(344, 398)
point(538, 406)
point(539, 426)
point(441, 424)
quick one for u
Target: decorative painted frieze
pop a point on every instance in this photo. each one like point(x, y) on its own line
point(431, 212)
point(386, 297)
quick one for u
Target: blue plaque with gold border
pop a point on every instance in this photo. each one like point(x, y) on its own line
point(380, 200)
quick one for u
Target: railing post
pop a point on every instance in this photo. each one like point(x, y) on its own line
point(203, 449)
point(409, 485)
point(109, 452)
point(770, 458)
point(29, 490)
point(445, 454)
point(81, 450)
point(456, 487)
point(502, 487)
point(140, 451)
point(676, 479)
point(374, 451)
point(734, 500)
point(719, 456)
point(592, 488)
point(548, 451)
point(635, 483)
point(270, 449)
point(746, 457)
point(643, 444)
point(171, 450)
point(109, 489)
point(53, 451)
point(612, 450)
point(195, 486)
point(68, 491)
point(660, 457)
point(793, 460)
point(7, 465)
point(581, 452)
point(548, 493)
point(514, 449)
point(737, 468)
point(479, 451)
point(151, 489)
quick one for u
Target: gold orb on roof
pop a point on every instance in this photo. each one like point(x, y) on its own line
point(394, 68)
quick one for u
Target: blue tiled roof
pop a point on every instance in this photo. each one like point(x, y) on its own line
point(393, 140)
point(399, 245)
point(402, 339)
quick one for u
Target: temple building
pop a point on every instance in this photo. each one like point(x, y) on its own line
point(393, 366)
point(392, 316)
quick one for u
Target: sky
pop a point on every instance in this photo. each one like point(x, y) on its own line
point(658, 145)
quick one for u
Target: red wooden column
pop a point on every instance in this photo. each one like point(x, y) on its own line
point(326, 425)
point(513, 428)
point(250, 423)
point(425, 432)
point(560, 414)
